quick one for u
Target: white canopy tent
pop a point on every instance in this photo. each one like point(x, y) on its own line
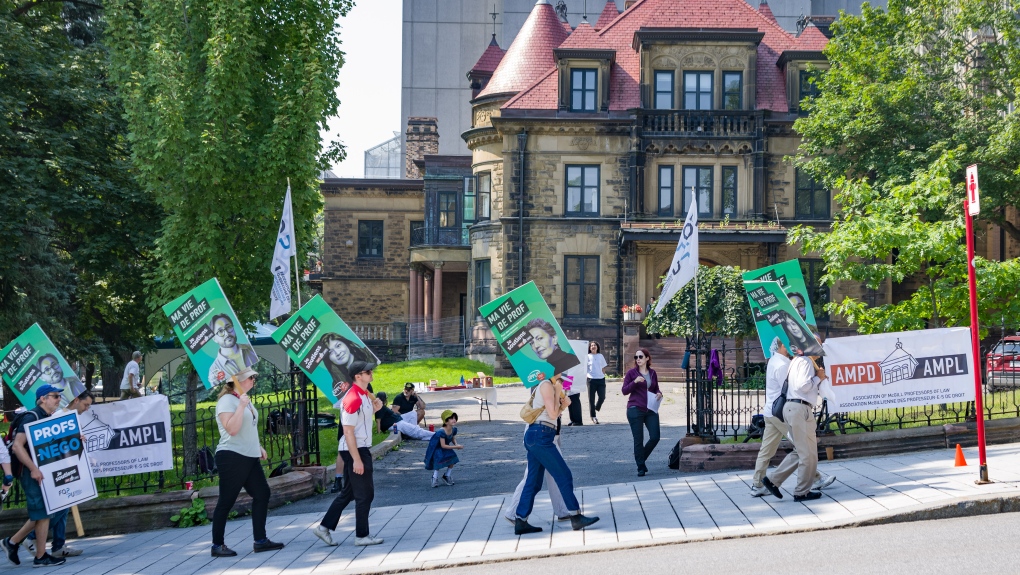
point(169, 354)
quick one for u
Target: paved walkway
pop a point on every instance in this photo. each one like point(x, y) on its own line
point(674, 509)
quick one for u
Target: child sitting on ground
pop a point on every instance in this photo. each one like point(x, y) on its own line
point(440, 452)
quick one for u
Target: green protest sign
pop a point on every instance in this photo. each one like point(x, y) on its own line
point(208, 329)
point(775, 316)
point(790, 277)
point(529, 335)
point(31, 360)
point(323, 346)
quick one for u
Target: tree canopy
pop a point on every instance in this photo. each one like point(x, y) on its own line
point(722, 306)
point(913, 94)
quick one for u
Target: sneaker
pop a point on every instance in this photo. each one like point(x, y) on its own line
point(266, 545)
point(220, 551)
point(823, 482)
point(11, 549)
point(435, 482)
point(338, 484)
point(759, 491)
point(447, 480)
point(369, 540)
point(809, 496)
point(595, 420)
point(48, 560)
point(771, 487)
point(66, 551)
point(324, 534)
point(579, 522)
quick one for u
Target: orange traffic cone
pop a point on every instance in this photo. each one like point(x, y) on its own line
point(960, 461)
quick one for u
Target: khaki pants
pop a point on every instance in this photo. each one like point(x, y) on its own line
point(804, 457)
point(774, 432)
point(130, 393)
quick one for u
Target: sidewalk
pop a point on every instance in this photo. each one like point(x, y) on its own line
point(649, 512)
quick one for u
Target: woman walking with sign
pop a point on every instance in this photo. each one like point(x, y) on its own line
point(640, 382)
point(238, 458)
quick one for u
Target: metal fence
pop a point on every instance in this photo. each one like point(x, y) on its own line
point(722, 401)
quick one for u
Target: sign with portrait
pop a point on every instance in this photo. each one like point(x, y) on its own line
point(323, 346)
point(131, 436)
point(789, 277)
point(57, 450)
point(32, 360)
point(207, 328)
point(529, 335)
point(776, 316)
point(900, 369)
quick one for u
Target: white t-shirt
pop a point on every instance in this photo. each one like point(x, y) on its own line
point(246, 442)
point(361, 419)
point(803, 381)
point(130, 369)
point(596, 363)
point(775, 375)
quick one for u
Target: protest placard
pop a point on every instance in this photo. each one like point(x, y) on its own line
point(32, 360)
point(323, 346)
point(775, 316)
point(789, 277)
point(207, 328)
point(529, 335)
point(57, 450)
point(125, 437)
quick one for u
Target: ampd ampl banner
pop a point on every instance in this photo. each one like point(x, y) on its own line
point(32, 360)
point(57, 450)
point(131, 436)
point(323, 346)
point(529, 335)
point(207, 328)
point(900, 369)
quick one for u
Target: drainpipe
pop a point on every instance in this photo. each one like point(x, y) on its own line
point(522, 143)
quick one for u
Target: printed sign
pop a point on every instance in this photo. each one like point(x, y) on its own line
point(131, 436)
point(207, 327)
point(973, 191)
point(529, 335)
point(323, 346)
point(900, 369)
point(31, 360)
point(775, 316)
point(575, 379)
point(57, 450)
point(790, 277)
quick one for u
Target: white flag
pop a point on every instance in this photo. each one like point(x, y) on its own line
point(280, 298)
point(685, 259)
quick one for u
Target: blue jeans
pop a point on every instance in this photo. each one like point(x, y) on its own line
point(58, 523)
point(543, 456)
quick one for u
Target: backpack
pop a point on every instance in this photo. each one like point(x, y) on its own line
point(674, 457)
point(780, 402)
point(16, 465)
point(206, 460)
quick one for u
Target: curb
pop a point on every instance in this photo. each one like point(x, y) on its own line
point(962, 507)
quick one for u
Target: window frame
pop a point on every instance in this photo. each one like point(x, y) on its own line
point(739, 92)
point(731, 190)
point(441, 210)
point(583, 262)
point(802, 81)
point(656, 92)
point(584, 89)
point(813, 189)
point(582, 189)
point(417, 225)
point(666, 210)
point(483, 200)
point(482, 288)
point(698, 92)
point(702, 211)
point(365, 240)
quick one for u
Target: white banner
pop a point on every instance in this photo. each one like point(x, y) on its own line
point(578, 374)
point(56, 448)
point(685, 259)
point(900, 369)
point(280, 298)
point(131, 436)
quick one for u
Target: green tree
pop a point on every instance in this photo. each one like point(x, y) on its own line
point(914, 93)
point(722, 306)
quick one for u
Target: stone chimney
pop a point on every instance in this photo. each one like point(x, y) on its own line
point(422, 138)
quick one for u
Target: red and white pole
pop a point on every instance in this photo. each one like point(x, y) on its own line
point(974, 336)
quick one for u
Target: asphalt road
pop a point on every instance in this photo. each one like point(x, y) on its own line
point(984, 544)
point(493, 458)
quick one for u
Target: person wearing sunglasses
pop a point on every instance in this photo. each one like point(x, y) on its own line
point(638, 383)
point(238, 459)
point(231, 357)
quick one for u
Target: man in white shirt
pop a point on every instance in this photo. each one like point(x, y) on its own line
point(775, 375)
point(357, 409)
point(801, 397)
point(131, 381)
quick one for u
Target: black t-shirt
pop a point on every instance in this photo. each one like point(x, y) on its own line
point(386, 418)
point(406, 404)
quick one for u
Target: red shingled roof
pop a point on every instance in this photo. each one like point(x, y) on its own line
point(609, 13)
point(624, 92)
point(531, 54)
point(491, 57)
point(765, 11)
point(811, 38)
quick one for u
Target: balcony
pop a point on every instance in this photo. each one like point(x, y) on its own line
point(701, 123)
point(435, 236)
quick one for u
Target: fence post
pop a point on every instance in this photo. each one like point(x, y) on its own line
point(299, 393)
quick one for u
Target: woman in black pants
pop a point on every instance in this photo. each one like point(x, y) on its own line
point(638, 383)
point(238, 459)
point(596, 379)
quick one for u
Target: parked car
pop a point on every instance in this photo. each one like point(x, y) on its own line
point(1002, 364)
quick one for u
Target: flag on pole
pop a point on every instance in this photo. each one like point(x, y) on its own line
point(280, 298)
point(685, 259)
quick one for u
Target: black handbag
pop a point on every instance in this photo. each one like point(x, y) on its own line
point(780, 402)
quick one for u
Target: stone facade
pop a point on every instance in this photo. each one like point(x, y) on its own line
point(421, 139)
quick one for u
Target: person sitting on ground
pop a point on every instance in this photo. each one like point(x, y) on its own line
point(385, 419)
point(440, 452)
point(409, 401)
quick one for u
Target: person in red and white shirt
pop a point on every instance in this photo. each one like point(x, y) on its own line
point(357, 410)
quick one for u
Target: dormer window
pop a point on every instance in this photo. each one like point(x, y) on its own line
point(583, 89)
point(698, 90)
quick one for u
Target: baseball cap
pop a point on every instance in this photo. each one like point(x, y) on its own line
point(360, 366)
point(409, 385)
point(46, 389)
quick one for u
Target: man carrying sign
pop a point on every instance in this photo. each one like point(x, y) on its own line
point(47, 399)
